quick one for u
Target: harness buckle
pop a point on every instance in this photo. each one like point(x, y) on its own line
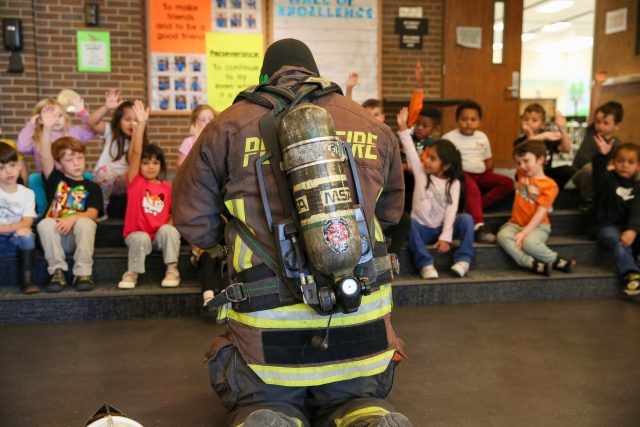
point(235, 292)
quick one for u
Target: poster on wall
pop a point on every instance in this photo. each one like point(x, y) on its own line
point(177, 60)
point(93, 51)
point(342, 35)
point(236, 16)
point(233, 64)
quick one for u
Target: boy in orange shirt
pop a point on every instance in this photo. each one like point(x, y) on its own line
point(524, 237)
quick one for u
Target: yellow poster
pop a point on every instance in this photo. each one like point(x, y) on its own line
point(233, 64)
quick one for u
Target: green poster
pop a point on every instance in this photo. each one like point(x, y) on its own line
point(94, 51)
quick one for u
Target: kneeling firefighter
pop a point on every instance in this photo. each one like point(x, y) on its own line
point(300, 182)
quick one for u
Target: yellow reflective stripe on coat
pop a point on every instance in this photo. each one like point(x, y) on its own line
point(301, 316)
point(377, 229)
point(306, 376)
point(353, 416)
point(241, 252)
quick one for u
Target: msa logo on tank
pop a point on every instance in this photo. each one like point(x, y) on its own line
point(329, 197)
point(152, 204)
point(363, 146)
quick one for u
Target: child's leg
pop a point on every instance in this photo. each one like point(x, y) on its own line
point(52, 244)
point(463, 230)
point(473, 198)
point(84, 232)
point(25, 238)
point(495, 187)
point(7, 246)
point(609, 237)
point(583, 179)
point(168, 239)
point(505, 241)
point(419, 237)
point(535, 244)
point(139, 244)
point(36, 183)
point(561, 174)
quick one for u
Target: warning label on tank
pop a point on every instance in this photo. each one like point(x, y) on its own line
point(336, 232)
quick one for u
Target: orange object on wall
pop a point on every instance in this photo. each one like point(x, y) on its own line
point(179, 26)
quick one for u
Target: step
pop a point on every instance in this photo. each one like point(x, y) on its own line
point(492, 258)
point(107, 302)
point(108, 266)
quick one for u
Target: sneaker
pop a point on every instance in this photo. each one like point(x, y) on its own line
point(429, 272)
point(632, 286)
point(392, 419)
point(543, 268)
point(83, 283)
point(268, 417)
point(484, 235)
point(562, 264)
point(171, 278)
point(57, 282)
point(129, 280)
point(461, 268)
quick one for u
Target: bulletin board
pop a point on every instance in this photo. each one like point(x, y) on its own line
point(343, 35)
point(202, 52)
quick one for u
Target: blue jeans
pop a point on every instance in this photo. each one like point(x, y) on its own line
point(10, 243)
point(421, 235)
point(36, 183)
point(609, 237)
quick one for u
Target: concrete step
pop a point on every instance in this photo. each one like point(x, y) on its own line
point(492, 258)
point(107, 302)
point(108, 266)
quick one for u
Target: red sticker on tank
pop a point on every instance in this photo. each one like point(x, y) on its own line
point(336, 232)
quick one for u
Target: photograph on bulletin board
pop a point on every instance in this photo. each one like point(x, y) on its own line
point(236, 16)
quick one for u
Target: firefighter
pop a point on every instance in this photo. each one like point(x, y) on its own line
point(282, 361)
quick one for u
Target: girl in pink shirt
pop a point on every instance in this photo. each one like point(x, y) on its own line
point(147, 221)
point(200, 116)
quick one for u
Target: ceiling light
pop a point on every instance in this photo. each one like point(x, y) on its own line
point(554, 6)
point(497, 46)
point(525, 37)
point(556, 26)
point(498, 26)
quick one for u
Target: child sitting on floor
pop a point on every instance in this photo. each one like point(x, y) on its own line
point(434, 217)
point(524, 237)
point(483, 187)
point(616, 213)
point(147, 222)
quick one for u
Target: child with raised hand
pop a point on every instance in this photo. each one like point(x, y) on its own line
point(435, 204)
point(17, 211)
point(30, 136)
point(111, 168)
point(483, 187)
point(147, 221)
point(534, 129)
point(525, 235)
point(200, 117)
point(616, 216)
point(352, 81)
point(75, 202)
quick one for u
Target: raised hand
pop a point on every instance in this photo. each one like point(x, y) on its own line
point(402, 118)
point(603, 146)
point(419, 73)
point(601, 76)
point(112, 99)
point(48, 116)
point(78, 104)
point(352, 80)
point(551, 136)
point(560, 120)
point(142, 114)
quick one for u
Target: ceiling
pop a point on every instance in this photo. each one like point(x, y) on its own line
point(579, 35)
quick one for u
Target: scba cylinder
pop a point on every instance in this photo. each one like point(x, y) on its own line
point(313, 160)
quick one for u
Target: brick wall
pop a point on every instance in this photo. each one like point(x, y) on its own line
point(49, 58)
